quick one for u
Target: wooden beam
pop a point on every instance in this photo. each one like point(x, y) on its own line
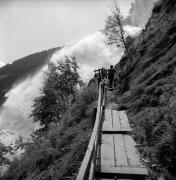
point(122, 172)
point(124, 120)
point(113, 131)
point(120, 152)
point(89, 160)
point(107, 151)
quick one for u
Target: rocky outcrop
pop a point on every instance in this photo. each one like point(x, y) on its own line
point(148, 89)
point(140, 12)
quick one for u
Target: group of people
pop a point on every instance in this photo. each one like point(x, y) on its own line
point(102, 73)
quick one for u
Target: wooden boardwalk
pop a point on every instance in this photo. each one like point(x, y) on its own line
point(118, 157)
point(111, 153)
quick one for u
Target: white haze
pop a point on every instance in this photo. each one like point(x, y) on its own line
point(91, 53)
point(132, 30)
point(1, 64)
point(15, 112)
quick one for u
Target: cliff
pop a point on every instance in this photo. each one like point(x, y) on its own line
point(140, 12)
point(148, 85)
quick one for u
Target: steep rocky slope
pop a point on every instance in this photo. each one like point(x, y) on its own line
point(148, 84)
point(140, 12)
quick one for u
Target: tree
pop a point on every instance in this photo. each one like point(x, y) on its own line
point(114, 30)
point(4, 150)
point(57, 93)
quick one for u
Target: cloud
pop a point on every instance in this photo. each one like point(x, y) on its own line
point(140, 12)
point(132, 30)
point(91, 53)
point(1, 64)
point(15, 112)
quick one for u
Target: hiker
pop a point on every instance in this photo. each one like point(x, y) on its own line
point(102, 72)
point(98, 77)
point(111, 73)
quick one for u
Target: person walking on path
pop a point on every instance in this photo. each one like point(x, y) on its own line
point(111, 73)
point(100, 74)
point(98, 77)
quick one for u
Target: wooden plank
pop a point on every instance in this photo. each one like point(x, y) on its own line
point(122, 172)
point(112, 179)
point(113, 131)
point(107, 151)
point(120, 153)
point(124, 120)
point(116, 120)
point(107, 124)
point(132, 154)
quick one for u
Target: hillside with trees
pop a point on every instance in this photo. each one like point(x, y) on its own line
point(64, 110)
point(147, 90)
point(20, 69)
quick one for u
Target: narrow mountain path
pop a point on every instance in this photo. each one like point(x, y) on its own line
point(111, 153)
point(118, 156)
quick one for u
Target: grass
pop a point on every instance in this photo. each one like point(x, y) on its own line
point(59, 153)
point(150, 100)
point(155, 132)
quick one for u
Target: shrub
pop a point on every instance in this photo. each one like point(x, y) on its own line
point(58, 153)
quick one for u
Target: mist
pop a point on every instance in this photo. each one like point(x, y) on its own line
point(1, 64)
point(140, 12)
point(91, 53)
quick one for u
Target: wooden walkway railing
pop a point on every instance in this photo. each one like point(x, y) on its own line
point(111, 152)
point(87, 168)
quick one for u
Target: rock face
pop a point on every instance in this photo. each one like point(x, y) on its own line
point(148, 84)
point(140, 12)
point(154, 55)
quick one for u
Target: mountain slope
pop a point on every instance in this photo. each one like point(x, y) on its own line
point(148, 86)
point(2, 64)
point(140, 12)
point(20, 69)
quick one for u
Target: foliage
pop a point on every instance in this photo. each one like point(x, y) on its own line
point(4, 150)
point(58, 92)
point(114, 31)
point(150, 100)
point(20, 69)
point(59, 153)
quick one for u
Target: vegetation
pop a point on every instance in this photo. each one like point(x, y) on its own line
point(57, 152)
point(20, 69)
point(150, 98)
point(114, 30)
point(58, 92)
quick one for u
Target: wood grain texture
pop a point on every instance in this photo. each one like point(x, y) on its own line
point(120, 152)
point(132, 154)
point(107, 124)
point(107, 151)
point(116, 120)
point(124, 120)
point(123, 172)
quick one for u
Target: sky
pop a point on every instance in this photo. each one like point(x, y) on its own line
point(28, 26)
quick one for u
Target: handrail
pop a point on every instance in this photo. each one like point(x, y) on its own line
point(87, 168)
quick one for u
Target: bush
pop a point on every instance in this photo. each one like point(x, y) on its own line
point(166, 153)
point(58, 153)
